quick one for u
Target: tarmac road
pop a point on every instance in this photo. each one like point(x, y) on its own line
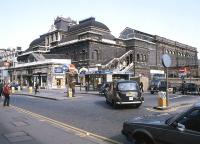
point(90, 112)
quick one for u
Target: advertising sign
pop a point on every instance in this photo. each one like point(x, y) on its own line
point(58, 70)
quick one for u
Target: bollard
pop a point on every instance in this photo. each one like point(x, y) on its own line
point(13, 89)
point(18, 88)
point(162, 100)
point(69, 92)
point(30, 89)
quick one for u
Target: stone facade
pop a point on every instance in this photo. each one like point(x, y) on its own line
point(90, 43)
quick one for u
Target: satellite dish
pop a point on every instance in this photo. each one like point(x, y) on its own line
point(166, 60)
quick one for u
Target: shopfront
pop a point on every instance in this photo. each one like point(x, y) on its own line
point(96, 79)
point(48, 75)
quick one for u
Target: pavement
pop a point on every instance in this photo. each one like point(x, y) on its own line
point(53, 94)
point(18, 126)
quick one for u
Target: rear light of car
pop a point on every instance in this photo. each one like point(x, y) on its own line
point(132, 94)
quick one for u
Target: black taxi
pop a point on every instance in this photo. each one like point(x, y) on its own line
point(124, 92)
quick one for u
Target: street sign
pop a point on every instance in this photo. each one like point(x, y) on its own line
point(65, 67)
point(72, 68)
point(166, 60)
point(184, 70)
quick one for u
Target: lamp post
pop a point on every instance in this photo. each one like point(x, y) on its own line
point(166, 61)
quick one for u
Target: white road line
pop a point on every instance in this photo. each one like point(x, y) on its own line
point(177, 97)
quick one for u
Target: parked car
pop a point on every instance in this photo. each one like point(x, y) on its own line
point(183, 128)
point(15, 85)
point(103, 87)
point(160, 85)
point(124, 92)
point(189, 88)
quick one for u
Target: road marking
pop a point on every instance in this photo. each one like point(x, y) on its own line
point(66, 127)
point(177, 97)
point(170, 109)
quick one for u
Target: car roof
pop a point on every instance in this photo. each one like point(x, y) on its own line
point(124, 81)
point(197, 105)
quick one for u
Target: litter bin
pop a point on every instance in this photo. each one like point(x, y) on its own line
point(30, 89)
point(162, 100)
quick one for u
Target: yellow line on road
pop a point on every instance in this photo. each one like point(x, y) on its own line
point(66, 126)
point(170, 109)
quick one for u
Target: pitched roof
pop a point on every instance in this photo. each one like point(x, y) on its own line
point(87, 23)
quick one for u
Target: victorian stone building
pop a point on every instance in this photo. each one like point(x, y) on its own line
point(90, 44)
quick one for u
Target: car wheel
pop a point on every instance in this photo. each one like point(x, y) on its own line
point(107, 101)
point(115, 106)
point(138, 105)
point(143, 141)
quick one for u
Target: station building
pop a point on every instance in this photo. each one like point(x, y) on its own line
point(89, 44)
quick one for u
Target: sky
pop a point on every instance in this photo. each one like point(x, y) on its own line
point(22, 21)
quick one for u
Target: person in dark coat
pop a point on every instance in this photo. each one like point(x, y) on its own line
point(36, 88)
point(141, 86)
point(6, 93)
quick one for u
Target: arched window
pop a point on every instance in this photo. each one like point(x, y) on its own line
point(127, 60)
point(95, 55)
point(83, 54)
point(131, 58)
point(138, 57)
point(141, 58)
point(144, 58)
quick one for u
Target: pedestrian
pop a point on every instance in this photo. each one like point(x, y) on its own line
point(6, 93)
point(86, 86)
point(36, 88)
point(1, 89)
point(141, 87)
point(183, 88)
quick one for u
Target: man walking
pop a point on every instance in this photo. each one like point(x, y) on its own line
point(36, 88)
point(141, 86)
point(6, 93)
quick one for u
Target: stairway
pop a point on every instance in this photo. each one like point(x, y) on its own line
point(118, 65)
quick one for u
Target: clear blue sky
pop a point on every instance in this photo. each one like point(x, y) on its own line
point(22, 21)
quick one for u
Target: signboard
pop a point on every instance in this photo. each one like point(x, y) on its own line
point(166, 60)
point(109, 77)
point(184, 70)
point(58, 70)
point(65, 67)
point(72, 68)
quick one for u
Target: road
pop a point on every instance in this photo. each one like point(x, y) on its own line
point(91, 113)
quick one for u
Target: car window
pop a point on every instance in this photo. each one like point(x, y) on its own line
point(127, 86)
point(192, 120)
point(155, 82)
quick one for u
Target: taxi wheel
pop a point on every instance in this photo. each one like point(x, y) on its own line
point(107, 101)
point(115, 106)
point(138, 105)
point(144, 140)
